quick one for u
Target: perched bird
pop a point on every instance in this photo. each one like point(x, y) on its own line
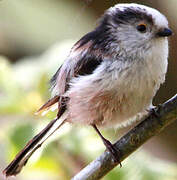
point(110, 75)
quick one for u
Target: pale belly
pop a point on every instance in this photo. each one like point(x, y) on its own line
point(111, 98)
point(125, 108)
point(108, 108)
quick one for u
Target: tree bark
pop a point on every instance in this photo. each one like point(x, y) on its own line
point(160, 117)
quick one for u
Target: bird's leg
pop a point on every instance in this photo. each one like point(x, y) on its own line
point(109, 146)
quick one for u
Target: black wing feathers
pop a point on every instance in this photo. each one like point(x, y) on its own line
point(87, 65)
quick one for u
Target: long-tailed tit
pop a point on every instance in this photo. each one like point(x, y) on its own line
point(110, 74)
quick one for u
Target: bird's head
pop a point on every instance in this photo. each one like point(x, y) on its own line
point(133, 29)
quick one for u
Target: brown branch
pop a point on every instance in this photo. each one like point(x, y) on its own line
point(157, 120)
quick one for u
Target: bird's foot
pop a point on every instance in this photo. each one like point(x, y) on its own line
point(155, 112)
point(114, 152)
point(110, 147)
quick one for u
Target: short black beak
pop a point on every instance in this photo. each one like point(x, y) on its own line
point(165, 32)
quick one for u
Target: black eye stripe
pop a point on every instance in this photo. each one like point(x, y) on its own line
point(141, 28)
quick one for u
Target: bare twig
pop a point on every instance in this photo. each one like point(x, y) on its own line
point(157, 120)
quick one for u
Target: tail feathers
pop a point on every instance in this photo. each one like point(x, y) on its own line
point(22, 157)
point(49, 104)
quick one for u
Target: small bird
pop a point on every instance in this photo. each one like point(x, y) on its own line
point(110, 75)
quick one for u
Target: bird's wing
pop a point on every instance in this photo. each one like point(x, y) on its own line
point(82, 60)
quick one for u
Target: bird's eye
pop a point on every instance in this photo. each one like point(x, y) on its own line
point(141, 28)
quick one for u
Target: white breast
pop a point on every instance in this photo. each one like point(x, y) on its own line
point(117, 90)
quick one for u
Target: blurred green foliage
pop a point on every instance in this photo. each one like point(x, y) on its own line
point(23, 89)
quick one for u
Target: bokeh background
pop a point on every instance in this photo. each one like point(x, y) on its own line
point(35, 37)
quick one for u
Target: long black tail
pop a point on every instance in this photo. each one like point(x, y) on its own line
point(22, 157)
